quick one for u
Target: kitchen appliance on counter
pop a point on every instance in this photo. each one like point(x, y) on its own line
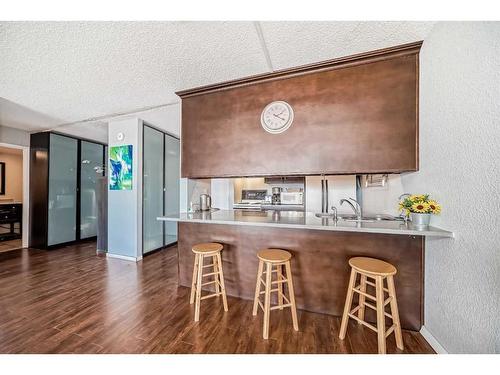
point(292, 197)
point(205, 202)
point(251, 199)
point(276, 197)
point(281, 199)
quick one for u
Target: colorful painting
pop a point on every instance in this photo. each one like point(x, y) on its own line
point(120, 167)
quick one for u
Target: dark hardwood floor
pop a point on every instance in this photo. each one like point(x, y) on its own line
point(71, 301)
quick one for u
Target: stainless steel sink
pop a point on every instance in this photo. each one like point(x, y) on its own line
point(363, 220)
point(370, 218)
point(383, 217)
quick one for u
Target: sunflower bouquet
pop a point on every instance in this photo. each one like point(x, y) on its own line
point(419, 204)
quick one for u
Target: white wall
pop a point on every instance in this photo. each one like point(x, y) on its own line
point(125, 206)
point(222, 190)
point(14, 136)
point(383, 200)
point(460, 166)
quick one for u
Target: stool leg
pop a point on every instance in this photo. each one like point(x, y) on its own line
point(379, 287)
point(362, 298)
point(193, 282)
point(291, 294)
point(347, 306)
point(395, 313)
point(221, 278)
point(216, 273)
point(257, 289)
point(198, 288)
point(280, 286)
point(267, 300)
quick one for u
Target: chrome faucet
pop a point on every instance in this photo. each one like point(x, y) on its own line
point(357, 209)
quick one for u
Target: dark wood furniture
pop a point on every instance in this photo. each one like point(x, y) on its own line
point(321, 269)
point(10, 214)
point(353, 115)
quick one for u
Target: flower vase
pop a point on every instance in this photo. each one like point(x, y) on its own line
point(420, 220)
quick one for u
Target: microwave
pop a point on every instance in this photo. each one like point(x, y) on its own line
point(292, 197)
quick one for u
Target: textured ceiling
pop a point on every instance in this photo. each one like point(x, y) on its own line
point(55, 73)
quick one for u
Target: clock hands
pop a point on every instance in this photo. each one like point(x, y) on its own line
point(277, 115)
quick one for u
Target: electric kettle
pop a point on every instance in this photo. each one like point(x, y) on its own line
point(205, 202)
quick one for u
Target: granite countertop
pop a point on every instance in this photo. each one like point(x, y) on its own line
point(10, 202)
point(303, 220)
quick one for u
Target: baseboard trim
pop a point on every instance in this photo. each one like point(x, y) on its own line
point(439, 349)
point(123, 257)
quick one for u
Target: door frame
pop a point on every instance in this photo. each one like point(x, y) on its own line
point(26, 190)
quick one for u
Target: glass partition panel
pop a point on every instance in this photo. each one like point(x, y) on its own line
point(152, 189)
point(172, 189)
point(62, 189)
point(91, 158)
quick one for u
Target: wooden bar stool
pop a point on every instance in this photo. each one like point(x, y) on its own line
point(379, 271)
point(274, 258)
point(203, 251)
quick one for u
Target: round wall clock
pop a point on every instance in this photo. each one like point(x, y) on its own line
point(276, 117)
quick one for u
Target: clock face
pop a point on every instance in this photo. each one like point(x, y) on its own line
point(276, 117)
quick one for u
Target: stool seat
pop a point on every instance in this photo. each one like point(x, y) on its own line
point(274, 255)
point(207, 248)
point(372, 266)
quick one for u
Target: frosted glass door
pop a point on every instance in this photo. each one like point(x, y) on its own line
point(152, 189)
point(91, 157)
point(172, 189)
point(62, 189)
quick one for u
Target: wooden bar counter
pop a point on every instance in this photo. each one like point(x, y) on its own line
point(321, 249)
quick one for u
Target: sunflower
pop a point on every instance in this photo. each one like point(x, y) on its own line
point(420, 207)
point(434, 207)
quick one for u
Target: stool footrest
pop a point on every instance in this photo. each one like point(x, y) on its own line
point(390, 330)
point(367, 304)
point(356, 289)
point(280, 281)
point(280, 306)
point(211, 295)
point(373, 328)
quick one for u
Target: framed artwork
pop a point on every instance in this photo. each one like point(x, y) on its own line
point(120, 167)
point(2, 178)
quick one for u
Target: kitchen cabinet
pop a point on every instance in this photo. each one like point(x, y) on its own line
point(354, 115)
